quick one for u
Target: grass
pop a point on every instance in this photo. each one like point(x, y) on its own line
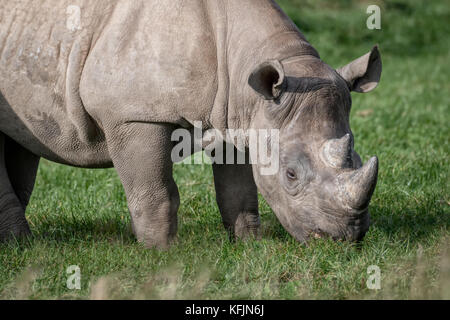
point(79, 217)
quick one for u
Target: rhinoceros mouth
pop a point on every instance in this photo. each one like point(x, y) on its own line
point(353, 229)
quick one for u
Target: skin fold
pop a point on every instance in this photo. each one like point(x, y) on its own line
point(99, 84)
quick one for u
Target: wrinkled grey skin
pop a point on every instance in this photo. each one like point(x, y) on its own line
point(108, 87)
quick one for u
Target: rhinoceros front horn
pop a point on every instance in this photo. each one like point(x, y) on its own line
point(360, 184)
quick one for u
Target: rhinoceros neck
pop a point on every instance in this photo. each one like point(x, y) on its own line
point(249, 33)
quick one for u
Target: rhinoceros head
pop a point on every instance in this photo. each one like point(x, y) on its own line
point(321, 187)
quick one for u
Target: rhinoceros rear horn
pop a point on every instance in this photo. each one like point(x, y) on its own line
point(360, 184)
point(338, 152)
point(363, 74)
point(268, 79)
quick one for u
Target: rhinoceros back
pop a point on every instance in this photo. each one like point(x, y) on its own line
point(43, 47)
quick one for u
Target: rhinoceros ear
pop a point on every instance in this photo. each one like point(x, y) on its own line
point(364, 73)
point(268, 79)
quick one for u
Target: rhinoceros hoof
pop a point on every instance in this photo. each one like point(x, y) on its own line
point(14, 232)
point(158, 243)
point(246, 226)
point(158, 239)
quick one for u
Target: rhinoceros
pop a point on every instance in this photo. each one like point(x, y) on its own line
point(99, 84)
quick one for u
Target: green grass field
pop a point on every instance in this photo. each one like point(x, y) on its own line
point(80, 217)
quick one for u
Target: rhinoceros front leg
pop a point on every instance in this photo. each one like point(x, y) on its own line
point(141, 154)
point(237, 197)
point(17, 173)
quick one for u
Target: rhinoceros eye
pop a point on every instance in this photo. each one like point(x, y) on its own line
point(290, 173)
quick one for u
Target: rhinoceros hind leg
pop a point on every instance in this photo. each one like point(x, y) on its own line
point(13, 223)
point(22, 166)
point(141, 154)
point(237, 198)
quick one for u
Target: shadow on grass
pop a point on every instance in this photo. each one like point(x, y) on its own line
point(415, 222)
point(71, 230)
point(62, 230)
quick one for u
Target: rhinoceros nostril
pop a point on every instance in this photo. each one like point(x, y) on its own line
point(317, 233)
